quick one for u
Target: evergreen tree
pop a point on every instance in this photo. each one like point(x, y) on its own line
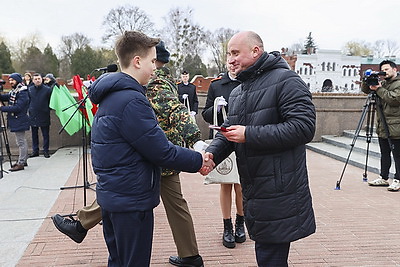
point(5, 59)
point(85, 60)
point(194, 66)
point(51, 61)
point(309, 46)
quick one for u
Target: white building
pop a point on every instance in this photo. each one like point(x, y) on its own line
point(329, 71)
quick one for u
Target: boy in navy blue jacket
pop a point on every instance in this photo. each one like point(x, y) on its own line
point(128, 149)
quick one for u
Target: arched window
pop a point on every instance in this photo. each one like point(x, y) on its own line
point(344, 72)
point(333, 66)
point(301, 71)
point(323, 66)
point(349, 72)
point(305, 71)
point(355, 72)
point(328, 66)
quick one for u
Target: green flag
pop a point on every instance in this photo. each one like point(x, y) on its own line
point(61, 99)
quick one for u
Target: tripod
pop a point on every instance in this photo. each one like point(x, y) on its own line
point(6, 143)
point(86, 184)
point(371, 105)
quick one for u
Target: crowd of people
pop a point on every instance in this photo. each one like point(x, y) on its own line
point(151, 135)
point(28, 108)
point(145, 133)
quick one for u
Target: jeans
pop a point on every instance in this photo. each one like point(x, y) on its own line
point(22, 146)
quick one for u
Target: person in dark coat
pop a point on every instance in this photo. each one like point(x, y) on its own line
point(187, 90)
point(271, 118)
point(50, 80)
point(128, 150)
point(222, 87)
point(39, 114)
point(17, 117)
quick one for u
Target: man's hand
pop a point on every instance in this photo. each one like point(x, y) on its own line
point(208, 164)
point(235, 133)
point(375, 87)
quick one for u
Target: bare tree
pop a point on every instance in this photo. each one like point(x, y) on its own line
point(358, 48)
point(70, 43)
point(126, 18)
point(379, 48)
point(217, 43)
point(183, 37)
point(392, 48)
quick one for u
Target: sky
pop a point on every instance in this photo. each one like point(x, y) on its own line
point(279, 23)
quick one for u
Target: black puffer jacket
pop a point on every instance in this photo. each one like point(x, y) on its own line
point(275, 106)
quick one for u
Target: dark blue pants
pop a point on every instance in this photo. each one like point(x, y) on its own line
point(272, 255)
point(35, 138)
point(129, 237)
point(386, 160)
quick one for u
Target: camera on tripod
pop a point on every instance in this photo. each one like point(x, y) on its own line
point(2, 82)
point(372, 77)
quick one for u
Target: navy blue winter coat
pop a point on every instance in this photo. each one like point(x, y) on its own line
point(128, 146)
point(39, 111)
point(17, 112)
point(275, 106)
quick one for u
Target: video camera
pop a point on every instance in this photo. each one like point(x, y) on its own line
point(372, 77)
point(2, 82)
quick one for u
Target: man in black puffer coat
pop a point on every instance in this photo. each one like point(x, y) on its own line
point(271, 118)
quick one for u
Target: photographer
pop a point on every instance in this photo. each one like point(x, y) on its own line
point(389, 93)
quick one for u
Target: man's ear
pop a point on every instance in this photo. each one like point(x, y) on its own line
point(256, 51)
point(136, 62)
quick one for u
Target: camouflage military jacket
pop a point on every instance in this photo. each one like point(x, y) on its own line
point(173, 117)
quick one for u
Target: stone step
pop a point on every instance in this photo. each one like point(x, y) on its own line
point(354, 151)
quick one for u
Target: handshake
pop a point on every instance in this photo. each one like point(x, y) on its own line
point(208, 163)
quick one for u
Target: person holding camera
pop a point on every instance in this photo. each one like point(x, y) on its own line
point(17, 116)
point(388, 92)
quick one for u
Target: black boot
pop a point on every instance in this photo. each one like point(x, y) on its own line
point(240, 234)
point(228, 239)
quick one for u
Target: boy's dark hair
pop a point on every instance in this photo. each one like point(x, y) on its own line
point(37, 74)
point(131, 44)
point(391, 63)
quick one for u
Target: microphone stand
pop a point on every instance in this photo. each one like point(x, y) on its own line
point(86, 184)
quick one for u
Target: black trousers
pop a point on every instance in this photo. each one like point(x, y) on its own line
point(35, 138)
point(129, 237)
point(272, 255)
point(386, 160)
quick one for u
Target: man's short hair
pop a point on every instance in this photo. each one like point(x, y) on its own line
point(131, 44)
point(37, 74)
point(391, 63)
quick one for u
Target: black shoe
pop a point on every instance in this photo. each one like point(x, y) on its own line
point(228, 239)
point(68, 227)
point(46, 155)
point(194, 261)
point(240, 234)
point(34, 154)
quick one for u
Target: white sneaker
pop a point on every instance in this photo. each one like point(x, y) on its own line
point(379, 182)
point(395, 186)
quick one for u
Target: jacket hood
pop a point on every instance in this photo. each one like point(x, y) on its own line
point(266, 62)
point(112, 82)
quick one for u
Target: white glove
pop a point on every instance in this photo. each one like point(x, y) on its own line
point(184, 96)
point(221, 103)
point(200, 146)
point(193, 113)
